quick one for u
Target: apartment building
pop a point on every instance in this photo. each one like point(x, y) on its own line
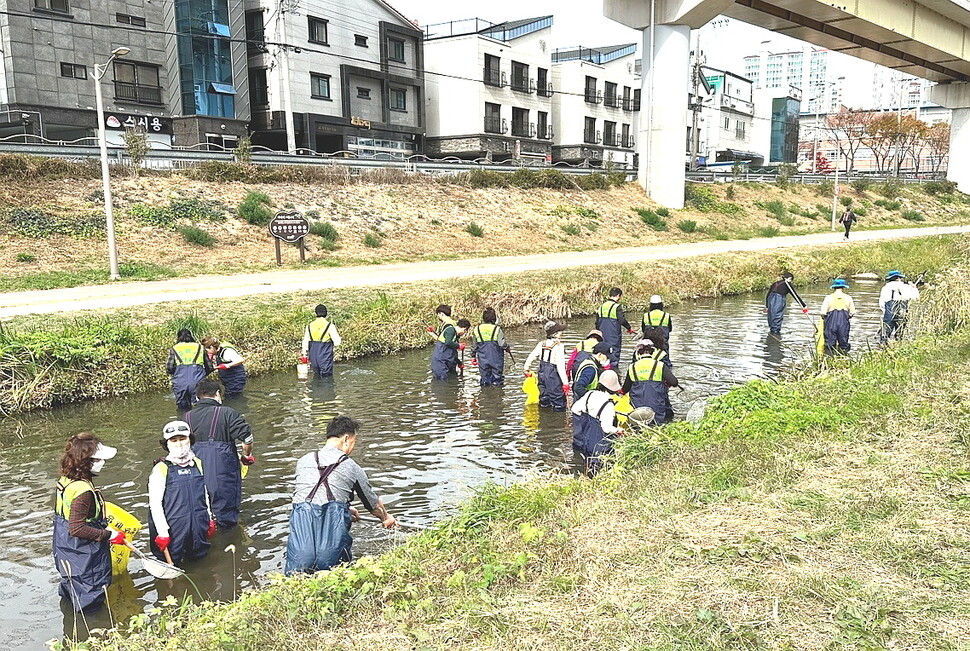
point(354, 73)
point(596, 105)
point(183, 80)
point(808, 68)
point(490, 89)
point(728, 118)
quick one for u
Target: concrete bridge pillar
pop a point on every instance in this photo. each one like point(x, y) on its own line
point(956, 97)
point(663, 112)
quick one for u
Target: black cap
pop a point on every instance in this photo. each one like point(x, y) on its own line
point(602, 348)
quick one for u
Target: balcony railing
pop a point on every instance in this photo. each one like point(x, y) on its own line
point(612, 101)
point(134, 93)
point(592, 136)
point(627, 104)
point(522, 84)
point(738, 104)
point(611, 139)
point(545, 133)
point(496, 125)
point(544, 90)
point(630, 142)
point(593, 96)
point(636, 105)
point(493, 77)
point(524, 129)
point(740, 134)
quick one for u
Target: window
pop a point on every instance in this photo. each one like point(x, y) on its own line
point(493, 118)
point(258, 86)
point(520, 79)
point(398, 99)
point(363, 93)
point(319, 86)
point(395, 49)
point(636, 99)
point(360, 41)
point(609, 133)
point(316, 30)
point(520, 122)
point(137, 82)
point(53, 5)
point(610, 95)
point(542, 123)
point(255, 30)
point(625, 135)
point(74, 71)
point(589, 132)
point(493, 70)
point(136, 21)
point(591, 96)
point(627, 102)
point(542, 82)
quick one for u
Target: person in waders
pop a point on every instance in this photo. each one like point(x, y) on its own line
point(228, 363)
point(648, 382)
point(553, 381)
point(180, 522)
point(776, 301)
point(489, 350)
point(216, 430)
point(609, 320)
point(447, 344)
point(894, 302)
point(188, 365)
point(584, 350)
point(594, 422)
point(326, 482)
point(319, 339)
point(837, 312)
point(586, 374)
point(82, 539)
point(657, 321)
point(652, 346)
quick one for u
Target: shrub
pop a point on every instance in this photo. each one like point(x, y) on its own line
point(475, 230)
point(487, 179)
point(729, 192)
point(785, 172)
point(195, 235)
point(136, 145)
point(651, 219)
point(255, 208)
point(554, 179)
point(524, 178)
point(26, 257)
point(571, 229)
point(937, 188)
point(776, 208)
point(435, 222)
point(716, 234)
point(860, 211)
point(19, 167)
point(328, 245)
point(913, 216)
point(888, 205)
point(243, 153)
point(589, 213)
point(845, 201)
point(197, 210)
point(687, 225)
point(823, 209)
point(700, 197)
point(825, 188)
point(861, 185)
point(663, 212)
point(891, 189)
point(594, 181)
point(373, 240)
point(326, 230)
point(38, 223)
point(768, 231)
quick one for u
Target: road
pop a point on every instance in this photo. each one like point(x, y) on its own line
point(118, 295)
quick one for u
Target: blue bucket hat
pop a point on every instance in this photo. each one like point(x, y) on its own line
point(895, 274)
point(839, 283)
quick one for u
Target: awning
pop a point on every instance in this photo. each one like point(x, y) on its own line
point(222, 89)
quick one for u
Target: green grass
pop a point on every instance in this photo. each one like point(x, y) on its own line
point(651, 218)
point(64, 279)
point(571, 229)
point(373, 240)
point(326, 230)
point(687, 225)
point(197, 236)
point(255, 208)
point(891, 205)
point(26, 257)
point(475, 230)
point(913, 216)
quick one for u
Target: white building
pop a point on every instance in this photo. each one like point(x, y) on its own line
point(489, 89)
point(775, 129)
point(727, 117)
point(808, 68)
point(596, 105)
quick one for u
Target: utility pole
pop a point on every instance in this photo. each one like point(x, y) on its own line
point(899, 126)
point(696, 104)
point(282, 56)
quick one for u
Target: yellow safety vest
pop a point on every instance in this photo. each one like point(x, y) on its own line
point(68, 490)
point(188, 353)
point(657, 319)
point(839, 302)
point(444, 326)
point(647, 369)
point(587, 345)
point(587, 363)
point(608, 310)
point(486, 332)
point(319, 329)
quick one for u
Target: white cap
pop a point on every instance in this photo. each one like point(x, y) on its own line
point(656, 299)
point(104, 452)
point(176, 428)
point(610, 380)
point(646, 343)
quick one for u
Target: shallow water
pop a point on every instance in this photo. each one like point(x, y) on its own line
point(424, 444)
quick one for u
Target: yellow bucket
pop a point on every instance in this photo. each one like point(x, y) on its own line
point(820, 337)
point(120, 520)
point(530, 386)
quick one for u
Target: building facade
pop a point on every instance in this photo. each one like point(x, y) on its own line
point(595, 105)
point(490, 89)
point(776, 124)
point(808, 68)
point(354, 73)
point(727, 119)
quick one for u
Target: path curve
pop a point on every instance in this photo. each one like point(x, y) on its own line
point(118, 295)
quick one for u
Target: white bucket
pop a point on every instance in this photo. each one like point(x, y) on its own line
point(302, 371)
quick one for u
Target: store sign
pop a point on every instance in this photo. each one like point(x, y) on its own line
point(149, 123)
point(289, 226)
point(360, 122)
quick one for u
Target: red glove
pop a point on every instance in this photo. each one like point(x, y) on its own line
point(304, 359)
point(630, 331)
point(461, 367)
point(431, 329)
point(222, 367)
point(162, 542)
point(527, 374)
point(212, 530)
point(804, 310)
point(118, 538)
point(565, 388)
point(248, 461)
point(474, 361)
point(461, 346)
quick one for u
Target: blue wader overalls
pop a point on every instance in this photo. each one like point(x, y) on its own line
point(223, 476)
point(491, 358)
point(776, 304)
point(648, 389)
point(837, 326)
point(607, 323)
point(320, 350)
point(589, 439)
point(444, 360)
point(88, 562)
point(579, 387)
point(894, 318)
point(551, 392)
point(189, 371)
point(185, 511)
point(234, 377)
point(657, 321)
point(319, 535)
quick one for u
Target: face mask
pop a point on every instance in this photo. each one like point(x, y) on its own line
point(97, 465)
point(180, 451)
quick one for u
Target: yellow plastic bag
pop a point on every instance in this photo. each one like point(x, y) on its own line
point(820, 337)
point(530, 386)
point(622, 406)
point(120, 520)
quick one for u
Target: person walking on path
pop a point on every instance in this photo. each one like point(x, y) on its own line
point(657, 320)
point(82, 539)
point(217, 430)
point(776, 301)
point(553, 381)
point(180, 522)
point(583, 350)
point(188, 365)
point(847, 219)
point(648, 382)
point(609, 320)
point(837, 312)
point(319, 339)
point(489, 349)
point(894, 302)
point(320, 519)
point(586, 374)
point(228, 363)
point(594, 422)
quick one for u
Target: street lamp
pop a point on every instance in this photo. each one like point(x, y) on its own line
point(109, 222)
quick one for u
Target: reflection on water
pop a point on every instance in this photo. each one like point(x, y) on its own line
point(424, 444)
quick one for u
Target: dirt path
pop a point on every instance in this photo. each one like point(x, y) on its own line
point(274, 282)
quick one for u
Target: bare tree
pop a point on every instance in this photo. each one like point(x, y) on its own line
point(938, 141)
point(880, 137)
point(847, 128)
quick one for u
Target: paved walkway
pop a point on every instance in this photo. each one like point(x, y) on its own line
point(273, 282)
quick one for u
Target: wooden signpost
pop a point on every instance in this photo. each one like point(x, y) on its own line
point(289, 226)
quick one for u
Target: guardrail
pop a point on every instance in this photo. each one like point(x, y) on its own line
point(807, 179)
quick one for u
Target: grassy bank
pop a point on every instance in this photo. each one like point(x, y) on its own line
point(48, 360)
point(827, 511)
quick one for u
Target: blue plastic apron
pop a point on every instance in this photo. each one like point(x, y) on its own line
point(185, 512)
point(223, 476)
point(319, 534)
